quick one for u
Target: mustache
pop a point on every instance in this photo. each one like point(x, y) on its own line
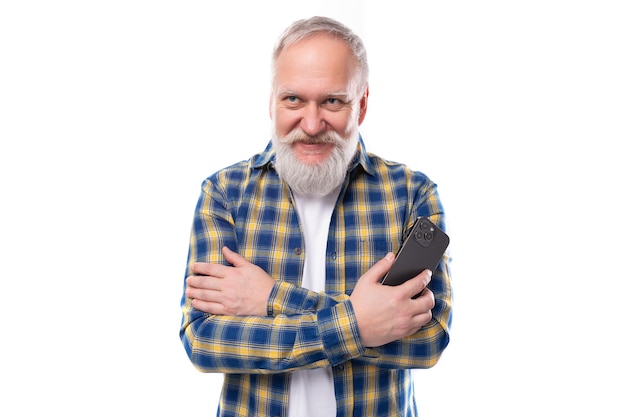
point(300, 136)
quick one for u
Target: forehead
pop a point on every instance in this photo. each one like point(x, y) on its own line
point(320, 62)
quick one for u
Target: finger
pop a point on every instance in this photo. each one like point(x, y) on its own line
point(207, 306)
point(205, 268)
point(422, 319)
point(380, 268)
point(417, 284)
point(427, 297)
point(233, 257)
point(203, 282)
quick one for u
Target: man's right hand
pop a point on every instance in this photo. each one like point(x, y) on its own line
point(239, 290)
point(387, 313)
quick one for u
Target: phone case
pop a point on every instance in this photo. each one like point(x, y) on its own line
point(422, 249)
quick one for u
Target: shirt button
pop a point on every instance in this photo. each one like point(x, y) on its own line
point(333, 255)
point(298, 251)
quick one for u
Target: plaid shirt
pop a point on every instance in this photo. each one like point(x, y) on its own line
point(249, 209)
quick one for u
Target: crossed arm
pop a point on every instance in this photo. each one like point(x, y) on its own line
point(383, 313)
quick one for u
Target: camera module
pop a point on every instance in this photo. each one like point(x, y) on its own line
point(424, 233)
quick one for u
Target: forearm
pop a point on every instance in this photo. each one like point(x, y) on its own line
point(419, 351)
point(233, 344)
point(287, 298)
point(424, 348)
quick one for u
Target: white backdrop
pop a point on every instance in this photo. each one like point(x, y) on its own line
point(112, 113)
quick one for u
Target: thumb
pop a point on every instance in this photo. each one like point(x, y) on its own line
point(233, 257)
point(380, 268)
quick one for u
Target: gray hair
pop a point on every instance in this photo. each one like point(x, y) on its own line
point(305, 28)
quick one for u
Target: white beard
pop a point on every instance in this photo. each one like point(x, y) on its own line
point(319, 179)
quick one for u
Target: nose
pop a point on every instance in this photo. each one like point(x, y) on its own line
point(312, 122)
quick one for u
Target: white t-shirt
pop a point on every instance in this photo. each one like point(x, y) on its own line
point(312, 391)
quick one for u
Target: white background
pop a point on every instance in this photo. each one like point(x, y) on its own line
point(112, 113)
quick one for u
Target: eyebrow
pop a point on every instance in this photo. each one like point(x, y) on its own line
point(342, 95)
point(339, 94)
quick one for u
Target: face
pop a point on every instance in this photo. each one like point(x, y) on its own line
point(316, 110)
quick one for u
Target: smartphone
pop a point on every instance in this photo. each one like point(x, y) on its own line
point(422, 249)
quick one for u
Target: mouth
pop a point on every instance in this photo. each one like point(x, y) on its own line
point(322, 139)
point(312, 141)
point(313, 146)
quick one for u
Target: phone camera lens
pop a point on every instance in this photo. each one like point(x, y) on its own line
point(428, 235)
point(418, 235)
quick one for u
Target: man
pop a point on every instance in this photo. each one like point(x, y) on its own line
point(288, 249)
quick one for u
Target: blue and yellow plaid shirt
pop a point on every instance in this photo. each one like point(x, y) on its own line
point(249, 209)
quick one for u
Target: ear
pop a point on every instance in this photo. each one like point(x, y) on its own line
point(363, 105)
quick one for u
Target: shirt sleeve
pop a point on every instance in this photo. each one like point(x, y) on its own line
point(287, 298)
point(424, 348)
point(305, 329)
point(421, 350)
point(270, 344)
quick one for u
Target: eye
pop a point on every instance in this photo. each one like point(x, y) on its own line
point(291, 101)
point(334, 103)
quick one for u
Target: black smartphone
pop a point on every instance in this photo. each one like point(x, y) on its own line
point(422, 249)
